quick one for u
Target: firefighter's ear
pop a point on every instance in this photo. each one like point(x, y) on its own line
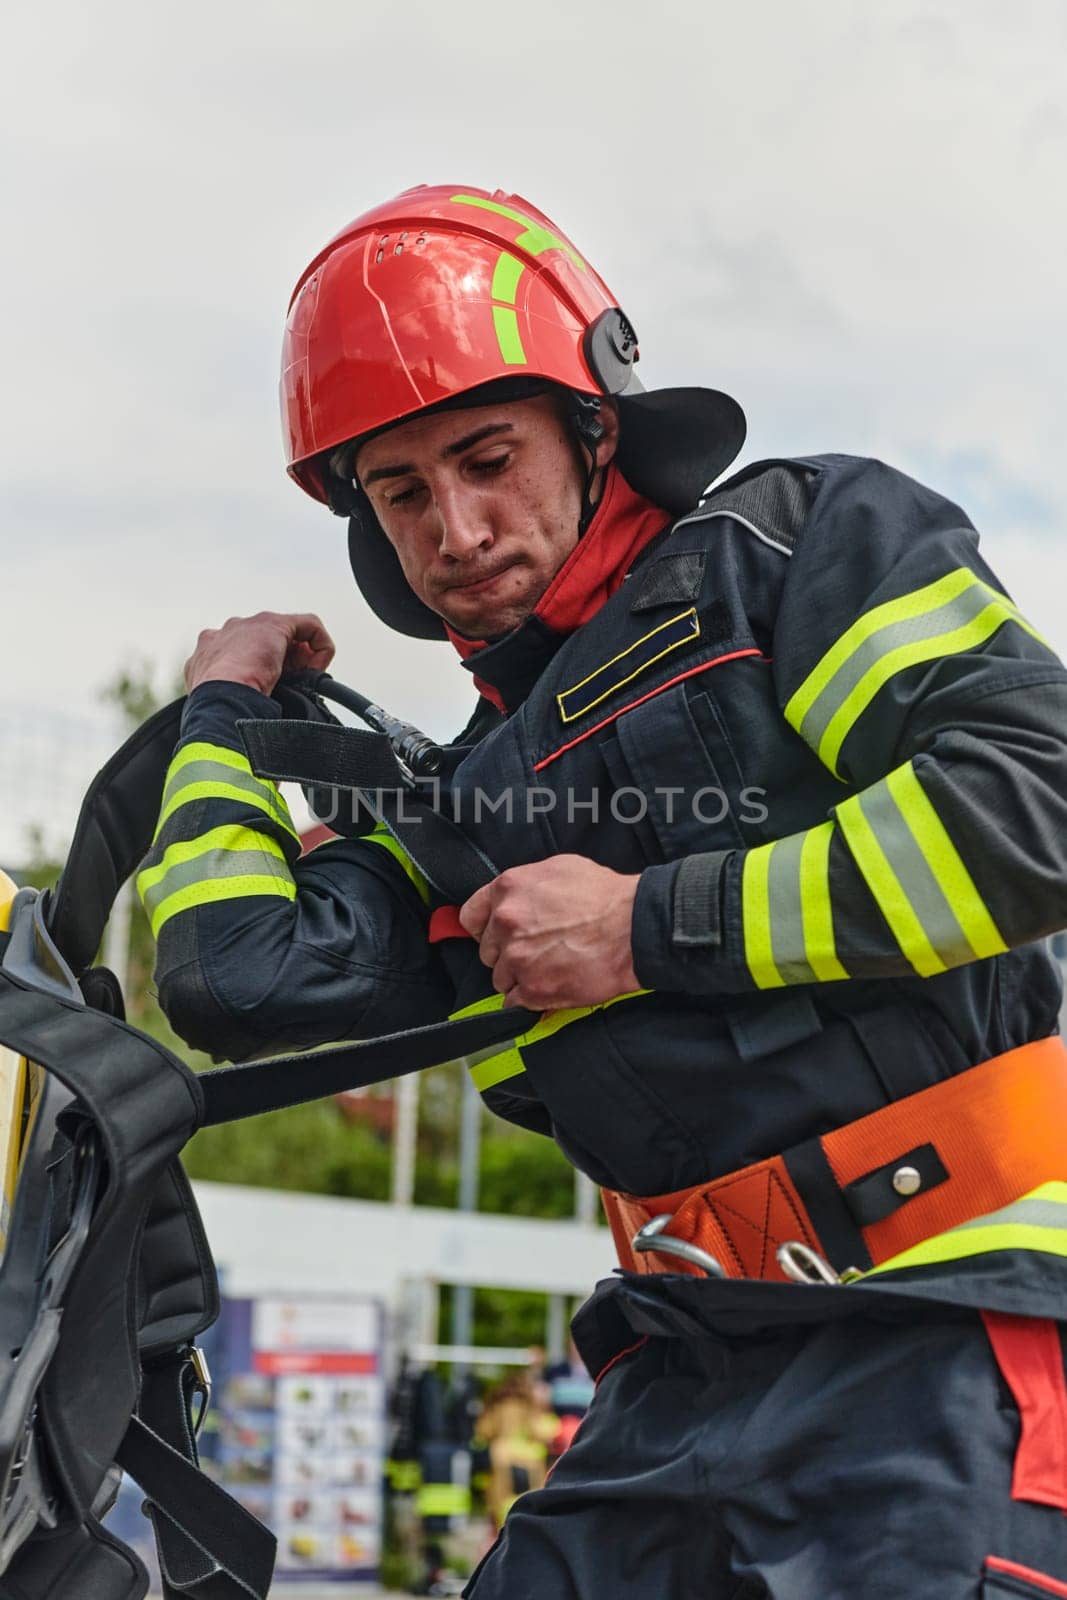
point(608, 443)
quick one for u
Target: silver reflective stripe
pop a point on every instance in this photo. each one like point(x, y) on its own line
point(212, 865)
point(786, 911)
point(914, 874)
point(928, 625)
point(1030, 1213)
point(787, 916)
point(955, 613)
point(195, 772)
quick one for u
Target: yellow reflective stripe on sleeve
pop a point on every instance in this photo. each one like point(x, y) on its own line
point(497, 1063)
point(915, 604)
point(1038, 1221)
point(212, 890)
point(887, 890)
point(212, 772)
point(271, 806)
point(945, 863)
point(233, 853)
point(490, 1067)
point(219, 753)
point(478, 1008)
point(956, 613)
point(756, 918)
point(816, 908)
point(917, 876)
point(787, 918)
point(228, 838)
point(382, 836)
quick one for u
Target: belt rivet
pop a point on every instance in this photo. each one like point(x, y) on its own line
point(907, 1180)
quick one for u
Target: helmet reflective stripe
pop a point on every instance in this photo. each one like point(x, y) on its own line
point(534, 238)
point(509, 269)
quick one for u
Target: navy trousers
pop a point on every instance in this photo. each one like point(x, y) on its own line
point(852, 1460)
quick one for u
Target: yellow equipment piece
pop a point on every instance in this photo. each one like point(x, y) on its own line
point(12, 1097)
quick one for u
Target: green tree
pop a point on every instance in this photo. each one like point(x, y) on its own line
point(132, 691)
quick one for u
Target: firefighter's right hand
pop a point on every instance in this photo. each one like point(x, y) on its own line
point(257, 650)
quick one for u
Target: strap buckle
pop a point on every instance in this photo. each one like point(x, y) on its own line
point(201, 1387)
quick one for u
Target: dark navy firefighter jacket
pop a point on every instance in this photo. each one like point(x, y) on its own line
point(814, 723)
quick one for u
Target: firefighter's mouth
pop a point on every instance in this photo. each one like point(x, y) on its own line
point(477, 585)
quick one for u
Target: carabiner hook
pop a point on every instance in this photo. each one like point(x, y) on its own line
point(652, 1237)
point(802, 1264)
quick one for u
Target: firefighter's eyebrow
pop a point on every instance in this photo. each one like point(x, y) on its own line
point(455, 449)
point(476, 437)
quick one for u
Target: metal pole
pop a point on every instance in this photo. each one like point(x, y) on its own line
point(556, 1328)
point(405, 1128)
point(586, 1195)
point(117, 937)
point(470, 1133)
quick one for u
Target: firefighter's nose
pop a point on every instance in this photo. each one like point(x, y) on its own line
point(463, 528)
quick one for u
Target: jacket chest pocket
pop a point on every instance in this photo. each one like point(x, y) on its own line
point(674, 776)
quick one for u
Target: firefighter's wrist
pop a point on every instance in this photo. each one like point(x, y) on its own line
point(241, 676)
point(677, 926)
point(213, 709)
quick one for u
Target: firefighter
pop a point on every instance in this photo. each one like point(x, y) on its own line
point(775, 780)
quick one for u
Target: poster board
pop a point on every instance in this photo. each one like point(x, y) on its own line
point(296, 1432)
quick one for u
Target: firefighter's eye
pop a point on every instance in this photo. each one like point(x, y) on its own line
point(491, 464)
point(402, 496)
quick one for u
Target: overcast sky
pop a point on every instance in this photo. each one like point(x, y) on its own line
point(850, 216)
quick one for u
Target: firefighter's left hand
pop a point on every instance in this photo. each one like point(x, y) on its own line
point(556, 933)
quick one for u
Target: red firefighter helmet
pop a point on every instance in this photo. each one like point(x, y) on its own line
point(430, 295)
point(443, 291)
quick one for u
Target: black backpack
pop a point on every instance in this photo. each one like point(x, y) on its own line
point(107, 1279)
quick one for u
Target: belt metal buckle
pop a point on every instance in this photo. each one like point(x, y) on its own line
point(652, 1237)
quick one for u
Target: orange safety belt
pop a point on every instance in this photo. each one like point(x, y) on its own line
point(964, 1147)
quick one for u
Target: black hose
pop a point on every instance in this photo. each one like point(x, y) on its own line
point(422, 757)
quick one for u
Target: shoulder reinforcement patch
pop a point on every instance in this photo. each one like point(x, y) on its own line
point(773, 504)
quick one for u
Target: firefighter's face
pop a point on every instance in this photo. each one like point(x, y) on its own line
point(482, 506)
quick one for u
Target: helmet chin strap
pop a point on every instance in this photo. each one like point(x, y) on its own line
point(589, 431)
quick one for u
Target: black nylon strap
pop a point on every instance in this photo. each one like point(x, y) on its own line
point(873, 1197)
point(698, 899)
point(114, 830)
point(210, 1547)
point(318, 753)
point(439, 848)
point(167, 1394)
point(329, 756)
point(144, 1105)
point(231, 1093)
point(841, 1240)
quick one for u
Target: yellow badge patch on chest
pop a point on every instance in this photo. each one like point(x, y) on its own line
point(628, 664)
